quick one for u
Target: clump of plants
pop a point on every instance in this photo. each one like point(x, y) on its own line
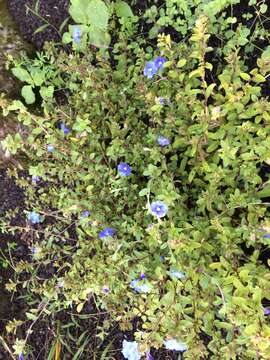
point(145, 193)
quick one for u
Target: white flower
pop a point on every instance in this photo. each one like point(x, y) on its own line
point(130, 350)
point(176, 345)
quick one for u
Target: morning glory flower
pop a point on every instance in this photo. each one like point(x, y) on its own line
point(159, 209)
point(130, 350)
point(150, 69)
point(35, 179)
point(139, 287)
point(175, 345)
point(107, 232)
point(163, 141)
point(50, 148)
point(177, 274)
point(34, 217)
point(85, 214)
point(64, 129)
point(124, 169)
point(76, 34)
point(159, 62)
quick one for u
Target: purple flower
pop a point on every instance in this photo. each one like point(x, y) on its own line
point(159, 209)
point(266, 236)
point(142, 276)
point(105, 289)
point(124, 169)
point(64, 129)
point(21, 356)
point(35, 250)
point(76, 34)
point(50, 148)
point(34, 217)
point(161, 100)
point(159, 62)
point(107, 232)
point(85, 214)
point(149, 356)
point(35, 179)
point(163, 141)
point(150, 69)
point(266, 311)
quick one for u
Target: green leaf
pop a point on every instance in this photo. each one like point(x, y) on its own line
point(66, 38)
point(22, 75)
point(28, 95)
point(78, 11)
point(41, 28)
point(123, 10)
point(265, 192)
point(209, 90)
point(98, 14)
point(38, 76)
point(263, 8)
point(99, 38)
point(46, 92)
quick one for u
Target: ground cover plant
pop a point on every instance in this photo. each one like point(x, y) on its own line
point(147, 192)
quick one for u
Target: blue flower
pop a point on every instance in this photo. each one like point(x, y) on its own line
point(64, 129)
point(149, 356)
point(76, 34)
point(159, 62)
point(124, 169)
point(139, 287)
point(177, 274)
point(130, 350)
point(50, 148)
point(107, 232)
point(176, 345)
point(142, 276)
point(159, 209)
point(106, 289)
point(21, 356)
point(266, 311)
point(266, 236)
point(163, 141)
point(150, 69)
point(35, 250)
point(35, 179)
point(34, 217)
point(161, 100)
point(85, 214)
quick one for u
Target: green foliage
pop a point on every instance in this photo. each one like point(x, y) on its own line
point(37, 74)
point(94, 17)
point(209, 176)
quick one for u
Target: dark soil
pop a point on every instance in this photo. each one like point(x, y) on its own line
point(55, 12)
